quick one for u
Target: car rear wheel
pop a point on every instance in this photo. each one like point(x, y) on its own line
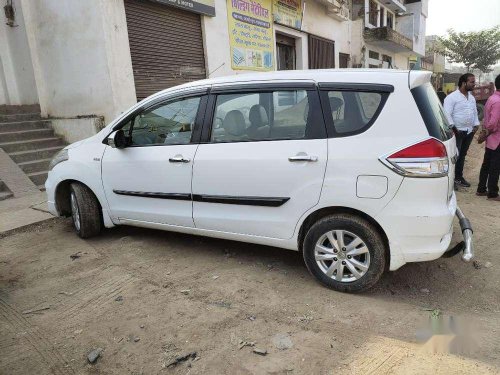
point(85, 211)
point(345, 253)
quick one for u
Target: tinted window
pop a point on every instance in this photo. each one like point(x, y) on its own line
point(167, 123)
point(352, 112)
point(278, 115)
point(432, 112)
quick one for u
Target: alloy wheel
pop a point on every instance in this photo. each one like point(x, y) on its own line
point(342, 256)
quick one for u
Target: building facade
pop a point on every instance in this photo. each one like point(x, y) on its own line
point(84, 62)
point(434, 61)
point(388, 34)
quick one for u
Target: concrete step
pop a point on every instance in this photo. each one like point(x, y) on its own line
point(19, 109)
point(34, 144)
point(4, 191)
point(24, 125)
point(35, 165)
point(31, 155)
point(20, 117)
point(5, 195)
point(38, 178)
point(15, 136)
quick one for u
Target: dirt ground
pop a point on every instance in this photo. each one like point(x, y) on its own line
point(147, 297)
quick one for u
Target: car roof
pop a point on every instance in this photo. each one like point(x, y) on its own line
point(388, 76)
point(294, 75)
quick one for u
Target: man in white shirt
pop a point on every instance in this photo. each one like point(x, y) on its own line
point(460, 108)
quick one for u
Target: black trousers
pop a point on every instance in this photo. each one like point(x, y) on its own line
point(490, 171)
point(463, 142)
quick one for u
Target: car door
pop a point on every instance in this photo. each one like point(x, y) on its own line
point(150, 179)
point(262, 161)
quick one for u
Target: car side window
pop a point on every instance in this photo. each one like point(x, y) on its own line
point(171, 123)
point(232, 117)
point(265, 116)
point(290, 114)
point(351, 111)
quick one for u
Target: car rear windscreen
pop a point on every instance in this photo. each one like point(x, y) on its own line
point(432, 112)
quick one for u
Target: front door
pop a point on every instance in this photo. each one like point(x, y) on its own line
point(343, 60)
point(150, 180)
point(285, 50)
point(262, 164)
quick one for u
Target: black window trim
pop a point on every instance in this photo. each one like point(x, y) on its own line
point(200, 115)
point(325, 104)
point(243, 87)
point(249, 89)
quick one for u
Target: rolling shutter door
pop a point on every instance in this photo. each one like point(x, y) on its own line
point(166, 46)
point(321, 53)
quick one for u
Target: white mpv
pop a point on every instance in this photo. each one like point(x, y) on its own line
point(354, 168)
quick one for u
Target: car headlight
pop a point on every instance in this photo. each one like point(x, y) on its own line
point(60, 157)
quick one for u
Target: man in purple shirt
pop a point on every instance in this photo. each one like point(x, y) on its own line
point(490, 170)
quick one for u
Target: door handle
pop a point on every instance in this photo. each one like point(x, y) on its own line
point(303, 158)
point(178, 159)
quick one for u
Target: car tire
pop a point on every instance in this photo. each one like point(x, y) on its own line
point(345, 253)
point(85, 211)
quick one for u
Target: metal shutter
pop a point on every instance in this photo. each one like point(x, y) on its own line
point(166, 46)
point(321, 53)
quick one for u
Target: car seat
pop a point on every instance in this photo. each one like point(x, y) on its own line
point(234, 126)
point(259, 123)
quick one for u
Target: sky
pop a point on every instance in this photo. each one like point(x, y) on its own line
point(462, 15)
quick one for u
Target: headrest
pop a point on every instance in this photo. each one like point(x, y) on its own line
point(336, 103)
point(234, 123)
point(258, 116)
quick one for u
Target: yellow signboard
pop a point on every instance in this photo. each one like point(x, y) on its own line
point(288, 12)
point(251, 35)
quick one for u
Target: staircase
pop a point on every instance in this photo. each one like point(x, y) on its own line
point(29, 140)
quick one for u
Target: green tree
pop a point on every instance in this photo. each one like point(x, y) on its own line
point(476, 50)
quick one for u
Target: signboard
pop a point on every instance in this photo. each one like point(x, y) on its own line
point(206, 7)
point(288, 13)
point(251, 35)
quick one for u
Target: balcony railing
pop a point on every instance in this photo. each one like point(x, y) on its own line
point(387, 38)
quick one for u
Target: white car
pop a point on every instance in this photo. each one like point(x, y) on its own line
point(354, 168)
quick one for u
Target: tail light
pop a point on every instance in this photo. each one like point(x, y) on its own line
point(424, 159)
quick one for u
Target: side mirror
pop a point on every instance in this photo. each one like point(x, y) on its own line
point(117, 139)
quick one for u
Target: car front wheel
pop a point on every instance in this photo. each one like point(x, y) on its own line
point(345, 253)
point(85, 211)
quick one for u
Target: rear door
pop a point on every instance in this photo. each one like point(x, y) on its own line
point(263, 160)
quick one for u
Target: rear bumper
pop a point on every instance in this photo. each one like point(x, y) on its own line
point(418, 222)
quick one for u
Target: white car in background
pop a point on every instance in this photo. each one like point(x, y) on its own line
point(354, 168)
